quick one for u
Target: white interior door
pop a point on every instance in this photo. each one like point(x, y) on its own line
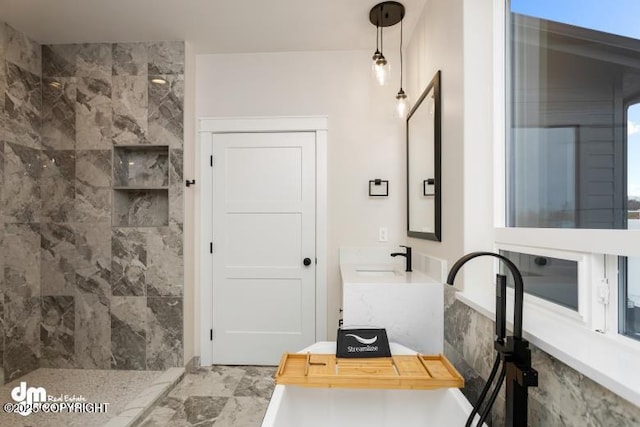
point(263, 230)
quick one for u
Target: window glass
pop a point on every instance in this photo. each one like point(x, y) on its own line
point(552, 279)
point(630, 297)
point(572, 159)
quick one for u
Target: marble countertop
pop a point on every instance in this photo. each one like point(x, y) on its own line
point(381, 274)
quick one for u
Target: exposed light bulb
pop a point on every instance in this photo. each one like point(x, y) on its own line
point(402, 104)
point(382, 70)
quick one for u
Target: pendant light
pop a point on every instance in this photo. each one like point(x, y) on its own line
point(382, 15)
point(402, 103)
point(382, 69)
point(376, 55)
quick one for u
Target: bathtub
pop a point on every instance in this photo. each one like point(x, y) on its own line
point(293, 406)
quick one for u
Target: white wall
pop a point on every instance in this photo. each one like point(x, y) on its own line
point(456, 36)
point(365, 140)
point(436, 44)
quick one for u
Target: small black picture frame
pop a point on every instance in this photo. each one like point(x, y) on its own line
point(378, 188)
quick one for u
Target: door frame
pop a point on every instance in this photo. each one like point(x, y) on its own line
point(209, 126)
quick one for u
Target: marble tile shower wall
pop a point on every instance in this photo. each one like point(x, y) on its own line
point(564, 397)
point(77, 291)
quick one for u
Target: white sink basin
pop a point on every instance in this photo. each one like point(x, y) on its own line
point(376, 273)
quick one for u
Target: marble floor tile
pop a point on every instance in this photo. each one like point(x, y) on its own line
point(209, 381)
point(215, 396)
point(257, 382)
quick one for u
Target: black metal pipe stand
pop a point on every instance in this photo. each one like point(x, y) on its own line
point(514, 352)
point(520, 376)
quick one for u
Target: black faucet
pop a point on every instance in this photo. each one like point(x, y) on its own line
point(514, 353)
point(407, 255)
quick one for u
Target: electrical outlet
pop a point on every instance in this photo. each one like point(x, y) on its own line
point(383, 234)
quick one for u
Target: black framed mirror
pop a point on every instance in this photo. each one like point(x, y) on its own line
point(424, 184)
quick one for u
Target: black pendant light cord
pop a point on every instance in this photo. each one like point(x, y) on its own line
point(381, 36)
point(401, 54)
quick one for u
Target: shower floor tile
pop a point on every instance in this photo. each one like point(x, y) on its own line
point(216, 396)
point(117, 388)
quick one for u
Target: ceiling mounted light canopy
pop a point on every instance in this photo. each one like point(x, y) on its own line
point(382, 15)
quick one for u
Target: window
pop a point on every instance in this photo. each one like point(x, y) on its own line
point(630, 297)
point(572, 155)
point(552, 279)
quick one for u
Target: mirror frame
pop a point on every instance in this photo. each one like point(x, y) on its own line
point(437, 145)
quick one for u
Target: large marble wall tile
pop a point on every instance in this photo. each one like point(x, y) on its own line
point(472, 335)
point(147, 261)
point(93, 113)
point(166, 57)
point(165, 269)
point(22, 51)
point(140, 208)
point(57, 185)
point(1, 328)
point(563, 397)
point(94, 60)
point(92, 331)
point(59, 60)
point(1, 181)
point(176, 189)
point(144, 167)
point(166, 111)
point(23, 105)
point(128, 333)
point(164, 332)
point(59, 113)
point(22, 335)
point(129, 262)
point(93, 265)
point(3, 40)
point(21, 189)
point(130, 59)
point(130, 105)
point(21, 251)
point(58, 259)
point(93, 182)
point(566, 397)
point(3, 76)
point(57, 332)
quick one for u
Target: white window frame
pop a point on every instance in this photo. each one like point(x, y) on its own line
point(589, 340)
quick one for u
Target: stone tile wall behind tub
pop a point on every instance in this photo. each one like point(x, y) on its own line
point(21, 208)
point(564, 397)
point(76, 291)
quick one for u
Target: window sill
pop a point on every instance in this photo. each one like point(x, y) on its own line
point(609, 361)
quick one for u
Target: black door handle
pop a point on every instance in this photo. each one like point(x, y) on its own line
point(307, 262)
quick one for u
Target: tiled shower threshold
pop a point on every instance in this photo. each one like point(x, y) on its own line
point(130, 396)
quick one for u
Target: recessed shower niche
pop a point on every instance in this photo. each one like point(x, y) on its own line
point(141, 186)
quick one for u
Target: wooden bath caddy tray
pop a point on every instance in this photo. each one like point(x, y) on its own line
point(396, 372)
